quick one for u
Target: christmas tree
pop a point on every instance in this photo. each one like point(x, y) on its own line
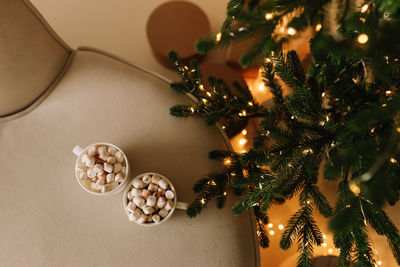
point(342, 114)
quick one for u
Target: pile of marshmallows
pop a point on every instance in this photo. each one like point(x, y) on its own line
point(102, 168)
point(150, 199)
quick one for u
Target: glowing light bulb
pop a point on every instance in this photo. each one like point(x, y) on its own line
point(364, 8)
point(201, 87)
point(280, 227)
point(261, 87)
point(388, 93)
point(393, 160)
point(324, 244)
point(323, 94)
point(192, 109)
point(271, 232)
point(291, 31)
point(267, 60)
point(355, 189)
point(218, 37)
point(203, 201)
point(244, 132)
point(227, 161)
point(224, 193)
point(242, 141)
point(208, 94)
point(398, 129)
point(270, 225)
point(204, 100)
point(223, 127)
point(323, 236)
point(330, 251)
point(268, 16)
point(250, 103)
point(318, 27)
point(379, 262)
point(362, 38)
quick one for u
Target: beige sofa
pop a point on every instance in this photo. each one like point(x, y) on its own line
point(52, 98)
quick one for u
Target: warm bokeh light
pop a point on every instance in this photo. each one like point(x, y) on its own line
point(242, 141)
point(362, 38)
point(318, 27)
point(218, 37)
point(291, 31)
point(364, 8)
point(244, 131)
point(268, 16)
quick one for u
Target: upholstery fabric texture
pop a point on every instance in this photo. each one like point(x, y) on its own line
point(48, 220)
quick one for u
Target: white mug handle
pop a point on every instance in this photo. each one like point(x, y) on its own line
point(77, 150)
point(182, 205)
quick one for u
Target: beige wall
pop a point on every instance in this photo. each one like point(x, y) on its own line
point(118, 26)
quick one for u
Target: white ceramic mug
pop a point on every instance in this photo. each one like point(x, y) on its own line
point(79, 152)
point(177, 204)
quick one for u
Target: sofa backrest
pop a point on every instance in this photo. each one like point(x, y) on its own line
point(32, 56)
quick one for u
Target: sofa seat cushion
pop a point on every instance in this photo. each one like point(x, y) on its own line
point(48, 220)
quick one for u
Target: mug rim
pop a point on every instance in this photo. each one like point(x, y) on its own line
point(125, 199)
point(115, 189)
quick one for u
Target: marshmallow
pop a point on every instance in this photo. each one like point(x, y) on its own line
point(139, 201)
point(161, 191)
point(112, 150)
point(163, 184)
point(105, 188)
point(151, 201)
point(138, 212)
point(83, 176)
point(91, 173)
point(149, 218)
point(129, 195)
point(119, 156)
point(100, 182)
point(161, 202)
point(84, 158)
point(137, 183)
point(90, 161)
point(163, 213)
point(169, 205)
point(92, 186)
point(153, 187)
point(104, 156)
point(169, 194)
point(80, 167)
point(155, 179)
point(131, 217)
point(146, 193)
point(111, 160)
point(98, 168)
point(156, 218)
point(148, 210)
point(142, 219)
point(114, 185)
point(108, 167)
point(97, 186)
point(110, 177)
point(102, 150)
point(146, 179)
point(123, 169)
point(117, 167)
point(131, 207)
point(92, 151)
point(119, 177)
point(136, 192)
